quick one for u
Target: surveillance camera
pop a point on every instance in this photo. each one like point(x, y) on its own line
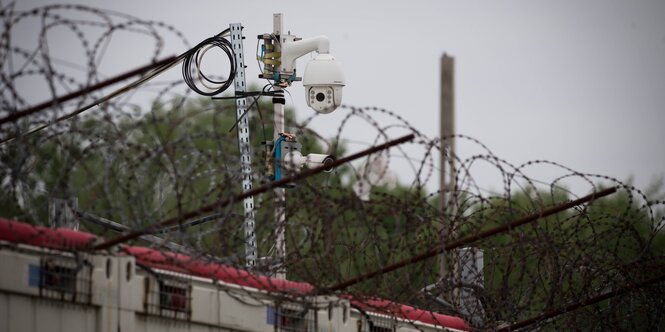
point(317, 160)
point(294, 160)
point(323, 81)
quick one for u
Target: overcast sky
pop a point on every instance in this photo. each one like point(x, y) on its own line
point(581, 83)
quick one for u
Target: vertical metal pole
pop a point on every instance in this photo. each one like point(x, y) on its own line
point(448, 174)
point(244, 146)
point(280, 193)
point(280, 232)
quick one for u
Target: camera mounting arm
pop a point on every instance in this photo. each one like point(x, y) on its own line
point(323, 80)
point(292, 50)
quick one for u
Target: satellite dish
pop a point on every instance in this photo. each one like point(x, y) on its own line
point(374, 172)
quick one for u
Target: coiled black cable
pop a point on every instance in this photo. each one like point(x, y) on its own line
point(191, 64)
point(192, 54)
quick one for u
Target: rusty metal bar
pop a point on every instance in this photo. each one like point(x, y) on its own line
point(255, 191)
point(571, 307)
point(472, 238)
point(34, 109)
point(155, 71)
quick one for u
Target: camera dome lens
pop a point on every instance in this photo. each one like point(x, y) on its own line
point(320, 96)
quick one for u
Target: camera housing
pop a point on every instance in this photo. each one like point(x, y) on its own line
point(295, 160)
point(317, 159)
point(324, 81)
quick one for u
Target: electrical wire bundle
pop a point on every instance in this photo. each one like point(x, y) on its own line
point(190, 58)
point(192, 66)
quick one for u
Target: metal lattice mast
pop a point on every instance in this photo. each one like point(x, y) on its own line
point(244, 146)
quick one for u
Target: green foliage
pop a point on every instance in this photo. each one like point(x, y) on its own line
point(548, 264)
point(183, 155)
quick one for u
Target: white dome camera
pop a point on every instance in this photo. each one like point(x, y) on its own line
point(323, 81)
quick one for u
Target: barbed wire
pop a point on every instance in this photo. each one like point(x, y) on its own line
point(136, 160)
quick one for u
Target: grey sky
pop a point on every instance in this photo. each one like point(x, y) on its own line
point(581, 83)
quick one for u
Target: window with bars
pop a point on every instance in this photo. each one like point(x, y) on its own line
point(168, 296)
point(375, 328)
point(377, 323)
point(292, 318)
point(62, 279)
